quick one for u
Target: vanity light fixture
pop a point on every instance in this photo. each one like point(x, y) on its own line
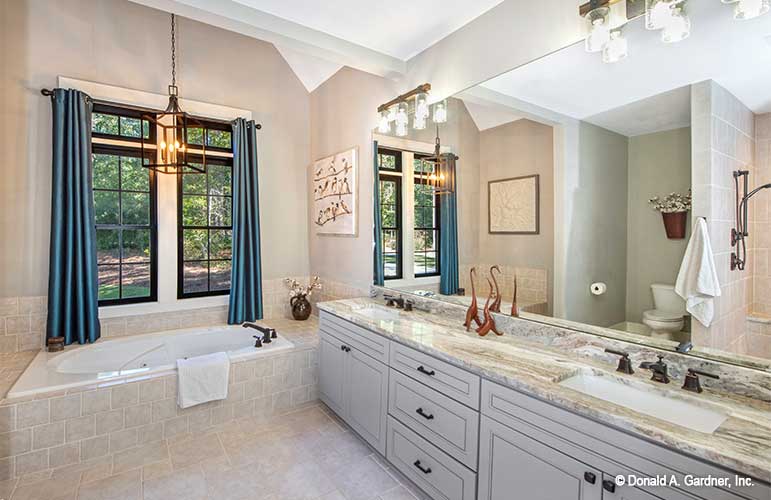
point(402, 114)
point(173, 151)
point(678, 27)
point(384, 124)
point(415, 103)
point(658, 13)
point(616, 49)
point(749, 9)
point(421, 106)
point(419, 122)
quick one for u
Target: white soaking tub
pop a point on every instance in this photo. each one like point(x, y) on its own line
point(136, 356)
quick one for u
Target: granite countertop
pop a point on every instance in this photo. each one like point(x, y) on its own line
point(741, 443)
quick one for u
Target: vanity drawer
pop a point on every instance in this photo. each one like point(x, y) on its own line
point(444, 422)
point(451, 381)
point(359, 338)
point(432, 470)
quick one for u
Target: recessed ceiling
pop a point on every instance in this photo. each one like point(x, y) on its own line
point(578, 84)
point(399, 28)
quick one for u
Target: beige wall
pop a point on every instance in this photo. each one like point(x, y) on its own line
point(659, 164)
point(595, 243)
point(124, 44)
point(343, 114)
point(517, 149)
point(760, 220)
point(722, 141)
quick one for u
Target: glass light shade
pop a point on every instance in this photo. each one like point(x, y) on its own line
point(616, 49)
point(599, 29)
point(750, 9)
point(419, 122)
point(421, 106)
point(658, 13)
point(678, 28)
point(402, 114)
point(598, 36)
point(401, 129)
point(392, 113)
point(440, 112)
point(384, 124)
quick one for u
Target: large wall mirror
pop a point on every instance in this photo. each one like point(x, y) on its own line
point(584, 182)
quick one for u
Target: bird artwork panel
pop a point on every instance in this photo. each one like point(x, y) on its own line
point(334, 193)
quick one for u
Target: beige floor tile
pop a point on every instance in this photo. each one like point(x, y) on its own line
point(156, 470)
point(126, 486)
point(398, 493)
point(193, 451)
point(6, 488)
point(188, 483)
point(242, 483)
point(335, 495)
point(300, 481)
point(137, 457)
point(363, 480)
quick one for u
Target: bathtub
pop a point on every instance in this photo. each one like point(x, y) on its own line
point(112, 361)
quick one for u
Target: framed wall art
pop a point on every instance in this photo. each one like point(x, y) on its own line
point(335, 193)
point(514, 205)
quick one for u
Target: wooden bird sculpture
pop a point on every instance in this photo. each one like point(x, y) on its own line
point(496, 305)
point(489, 323)
point(472, 314)
point(514, 309)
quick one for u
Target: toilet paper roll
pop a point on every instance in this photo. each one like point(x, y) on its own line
point(599, 288)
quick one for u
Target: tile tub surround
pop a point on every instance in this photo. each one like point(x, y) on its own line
point(307, 453)
point(534, 358)
point(23, 319)
point(128, 424)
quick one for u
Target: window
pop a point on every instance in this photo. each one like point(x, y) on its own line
point(426, 251)
point(204, 216)
point(124, 208)
point(390, 166)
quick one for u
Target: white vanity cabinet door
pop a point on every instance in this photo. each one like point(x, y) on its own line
point(367, 398)
point(513, 466)
point(332, 377)
point(613, 492)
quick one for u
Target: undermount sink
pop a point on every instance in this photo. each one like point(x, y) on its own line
point(377, 312)
point(647, 402)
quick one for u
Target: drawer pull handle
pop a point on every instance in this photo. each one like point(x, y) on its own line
point(345, 348)
point(423, 370)
point(424, 470)
point(609, 486)
point(590, 477)
point(423, 414)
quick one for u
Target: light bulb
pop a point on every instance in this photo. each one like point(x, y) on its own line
point(163, 144)
point(598, 36)
point(440, 112)
point(421, 106)
point(392, 113)
point(658, 13)
point(750, 9)
point(616, 48)
point(384, 125)
point(176, 144)
point(402, 116)
point(401, 129)
point(419, 122)
point(678, 28)
point(171, 148)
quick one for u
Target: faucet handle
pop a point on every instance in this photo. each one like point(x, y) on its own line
point(624, 363)
point(692, 382)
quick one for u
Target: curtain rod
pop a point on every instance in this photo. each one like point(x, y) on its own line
point(49, 92)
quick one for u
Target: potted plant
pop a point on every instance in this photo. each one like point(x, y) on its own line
point(674, 210)
point(298, 297)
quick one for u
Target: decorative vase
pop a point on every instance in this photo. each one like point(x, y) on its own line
point(301, 308)
point(674, 223)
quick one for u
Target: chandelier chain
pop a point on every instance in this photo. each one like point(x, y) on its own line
point(173, 52)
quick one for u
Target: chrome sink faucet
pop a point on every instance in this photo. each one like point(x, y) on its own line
point(659, 369)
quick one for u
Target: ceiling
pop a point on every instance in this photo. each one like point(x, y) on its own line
point(578, 84)
point(398, 28)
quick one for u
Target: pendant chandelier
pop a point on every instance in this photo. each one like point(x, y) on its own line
point(173, 154)
point(440, 177)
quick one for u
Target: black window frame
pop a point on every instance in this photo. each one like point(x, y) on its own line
point(436, 228)
point(181, 227)
point(393, 175)
point(118, 150)
point(128, 112)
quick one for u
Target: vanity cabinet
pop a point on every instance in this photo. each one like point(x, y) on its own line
point(355, 386)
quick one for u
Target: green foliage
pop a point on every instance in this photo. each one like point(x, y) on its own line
point(130, 127)
point(195, 244)
point(386, 161)
point(134, 177)
point(220, 244)
point(219, 211)
point(193, 210)
point(107, 246)
point(107, 207)
point(136, 208)
point(219, 179)
point(104, 124)
point(218, 138)
point(194, 184)
point(105, 171)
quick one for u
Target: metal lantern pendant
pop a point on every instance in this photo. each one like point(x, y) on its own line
point(173, 152)
point(441, 178)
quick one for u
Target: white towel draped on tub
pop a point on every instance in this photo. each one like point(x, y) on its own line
point(697, 281)
point(202, 379)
